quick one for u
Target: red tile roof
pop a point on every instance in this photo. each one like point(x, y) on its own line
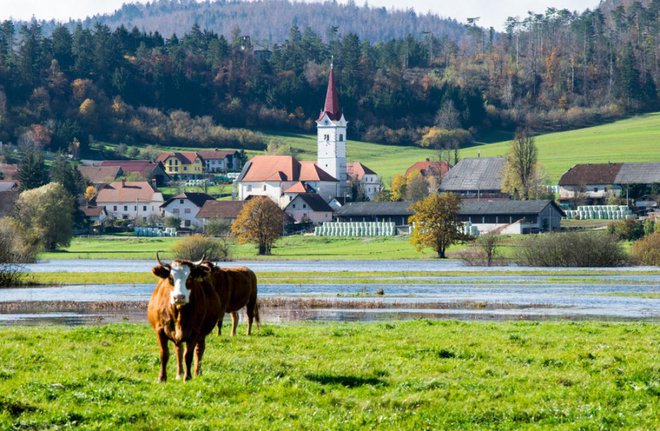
point(358, 170)
point(429, 167)
point(187, 158)
point(283, 168)
point(297, 188)
point(128, 191)
point(597, 173)
point(331, 107)
point(92, 211)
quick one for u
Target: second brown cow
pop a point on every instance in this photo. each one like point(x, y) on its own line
point(236, 288)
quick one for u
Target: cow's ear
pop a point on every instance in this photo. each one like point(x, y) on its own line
point(200, 271)
point(161, 271)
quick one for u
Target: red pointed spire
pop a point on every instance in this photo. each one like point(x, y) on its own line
point(331, 108)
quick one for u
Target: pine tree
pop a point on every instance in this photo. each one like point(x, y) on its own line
point(32, 171)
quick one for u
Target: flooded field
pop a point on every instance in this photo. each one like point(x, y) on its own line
point(618, 297)
point(107, 265)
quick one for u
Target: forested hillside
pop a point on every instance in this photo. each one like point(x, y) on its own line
point(268, 21)
point(548, 71)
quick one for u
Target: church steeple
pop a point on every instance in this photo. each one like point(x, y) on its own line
point(331, 129)
point(331, 107)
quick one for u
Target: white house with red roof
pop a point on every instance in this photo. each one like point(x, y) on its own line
point(369, 180)
point(272, 176)
point(130, 200)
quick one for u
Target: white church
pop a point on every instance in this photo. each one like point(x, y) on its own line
point(282, 178)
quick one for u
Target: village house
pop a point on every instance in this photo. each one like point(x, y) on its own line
point(595, 182)
point(144, 170)
point(368, 179)
point(99, 175)
point(95, 214)
point(130, 200)
point(476, 178)
point(272, 175)
point(220, 161)
point(185, 206)
point(309, 207)
point(225, 211)
point(182, 165)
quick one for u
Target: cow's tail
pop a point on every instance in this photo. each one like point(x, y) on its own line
point(256, 315)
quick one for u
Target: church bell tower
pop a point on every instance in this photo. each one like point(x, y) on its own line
point(331, 129)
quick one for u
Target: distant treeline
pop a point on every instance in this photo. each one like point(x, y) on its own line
point(548, 71)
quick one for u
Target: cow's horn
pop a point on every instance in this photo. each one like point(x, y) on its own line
point(158, 259)
point(199, 262)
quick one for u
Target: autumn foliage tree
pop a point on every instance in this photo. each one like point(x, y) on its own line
point(436, 222)
point(260, 221)
point(521, 172)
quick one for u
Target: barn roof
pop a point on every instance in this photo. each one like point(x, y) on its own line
point(101, 174)
point(216, 154)
point(220, 209)
point(638, 173)
point(590, 173)
point(481, 173)
point(501, 207)
point(353, 209)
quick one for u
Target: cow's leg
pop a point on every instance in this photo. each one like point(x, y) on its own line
point(178, 351)
point(164, 356)
point(188, 356)
point(251, 309)
point(222, 316)
point(199, 354)
point(234, 322)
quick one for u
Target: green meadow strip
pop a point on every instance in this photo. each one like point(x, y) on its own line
point(339, 376)
point(394, 277)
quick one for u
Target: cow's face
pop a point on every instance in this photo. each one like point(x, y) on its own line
point(180, 275)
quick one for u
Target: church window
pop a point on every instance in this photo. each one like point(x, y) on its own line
point(264, 187)
point(341, 136)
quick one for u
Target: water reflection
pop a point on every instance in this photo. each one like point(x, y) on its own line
point(507, 298)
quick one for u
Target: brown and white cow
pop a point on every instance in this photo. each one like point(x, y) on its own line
point(236, 288)
point(184, 308)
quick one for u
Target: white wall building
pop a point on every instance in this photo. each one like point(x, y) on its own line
point(130, 200)
point(186, 206)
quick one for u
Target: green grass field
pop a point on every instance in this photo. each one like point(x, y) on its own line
point(636, 139)
point(632, 140)
point(287, 248)
point(339, 376)
point(356, 277)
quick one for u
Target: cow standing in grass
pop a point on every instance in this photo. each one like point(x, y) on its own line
point(236, 288)
point(184, 308)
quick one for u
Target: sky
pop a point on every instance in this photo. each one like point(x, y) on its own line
point(491, 12)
